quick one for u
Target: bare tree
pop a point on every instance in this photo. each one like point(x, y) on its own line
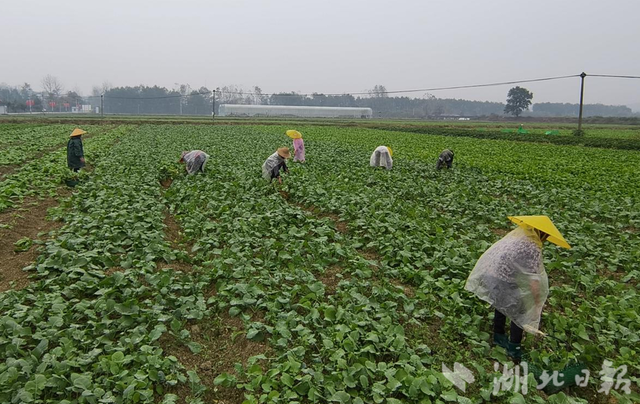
point(378, 91)
point(185, 91)
point(231, 94)
point(52, 87)
point(259, 98)
point(106, 86)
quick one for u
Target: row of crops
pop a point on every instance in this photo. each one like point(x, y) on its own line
point(39, 169)
point(347, 281)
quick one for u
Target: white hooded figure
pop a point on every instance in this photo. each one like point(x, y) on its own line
point(195, 161)
point(511, 277)
point(381, 157)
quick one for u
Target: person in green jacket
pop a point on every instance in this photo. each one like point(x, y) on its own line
point(75, 152)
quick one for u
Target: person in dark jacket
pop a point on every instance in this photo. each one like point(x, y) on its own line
point(445, 159)
point(75, 152)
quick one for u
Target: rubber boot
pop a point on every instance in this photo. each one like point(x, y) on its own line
point(501, 340)
point(514, 351)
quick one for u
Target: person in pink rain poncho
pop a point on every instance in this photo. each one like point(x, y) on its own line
point(298, 145)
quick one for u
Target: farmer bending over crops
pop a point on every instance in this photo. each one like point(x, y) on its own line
point(75, 152)
point(510, 276)
point(298, 145)
point(445, 159)
point(195, 161)
point(277, 161)
point(381, 157)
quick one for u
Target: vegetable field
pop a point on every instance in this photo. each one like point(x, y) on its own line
point(345, 284)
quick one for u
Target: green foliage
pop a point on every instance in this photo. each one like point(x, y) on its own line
point(599, 142)
point(27, 141)
point(24, 244)
point(362, 315)
point(42, 176)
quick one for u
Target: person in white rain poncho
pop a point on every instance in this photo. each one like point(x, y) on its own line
point(194, 160)
point(276, 162)
point(510, 276)
point(382, 157)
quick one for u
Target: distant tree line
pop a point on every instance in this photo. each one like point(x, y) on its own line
point(15, 98)
point(142, 100)
point(186, 100)
point(571, 110)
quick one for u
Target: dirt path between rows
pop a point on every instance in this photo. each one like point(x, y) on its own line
point(222, 338)
point(28, 221)
point(173, 235)
point(224, 344)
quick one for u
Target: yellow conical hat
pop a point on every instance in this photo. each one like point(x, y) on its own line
point(294, 134)
point(542, 223)
point(77, 132)
point(390, 151)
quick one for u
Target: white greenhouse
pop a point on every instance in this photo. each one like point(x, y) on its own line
point(293, 111)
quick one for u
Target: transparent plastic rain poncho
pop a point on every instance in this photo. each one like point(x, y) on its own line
point(381, 158)
point(272, 166)
point(511, 277)
point(195, 161)
point(298, 147)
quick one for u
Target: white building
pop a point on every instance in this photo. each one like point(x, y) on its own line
point(293, 111)
point(3, 110)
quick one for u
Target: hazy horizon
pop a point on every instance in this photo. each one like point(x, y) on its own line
point(329, 47)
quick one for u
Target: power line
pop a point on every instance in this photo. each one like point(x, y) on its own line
point(388, 92)
point(412, 90)
point(613, 76)
point(351, 93)
point(368, 93)
point(482, 85)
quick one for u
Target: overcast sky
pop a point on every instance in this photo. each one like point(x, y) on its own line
point(328, 46)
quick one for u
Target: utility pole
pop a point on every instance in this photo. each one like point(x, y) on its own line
point(102, 105)
point(213, 105)
point(582, 76)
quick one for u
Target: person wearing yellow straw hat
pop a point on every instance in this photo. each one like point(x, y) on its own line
point(274, 163)
point(75, 152)
point(382, 157)
point(445, 159)
point(510, 276)
point(298, 145)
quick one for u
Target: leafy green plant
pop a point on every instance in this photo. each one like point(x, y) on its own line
point(362, 313)
point(24, 244)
